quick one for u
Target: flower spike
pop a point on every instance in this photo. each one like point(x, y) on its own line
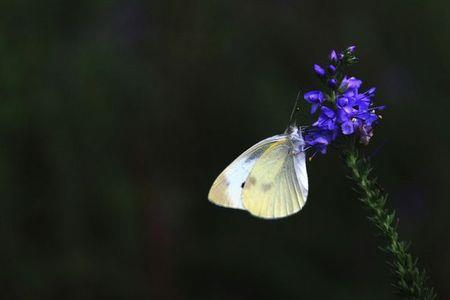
point(345, 111)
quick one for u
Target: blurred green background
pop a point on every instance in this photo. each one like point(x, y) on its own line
point(116, 116)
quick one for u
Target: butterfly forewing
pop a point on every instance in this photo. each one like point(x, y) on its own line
point(277, 185)
point(227, 188)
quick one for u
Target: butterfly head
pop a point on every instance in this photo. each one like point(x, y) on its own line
point(295, 135)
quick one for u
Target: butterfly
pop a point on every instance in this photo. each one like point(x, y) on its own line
point(269, 180)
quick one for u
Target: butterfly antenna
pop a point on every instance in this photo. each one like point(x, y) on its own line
point(294, 113)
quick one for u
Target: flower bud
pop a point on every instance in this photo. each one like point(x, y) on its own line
point(331, 69)
point(332, 83)
point(319, 70)
point(333, 56)
point(351, 49)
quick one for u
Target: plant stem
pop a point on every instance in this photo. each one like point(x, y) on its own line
point(409, 280)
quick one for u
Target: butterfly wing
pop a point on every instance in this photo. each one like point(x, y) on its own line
point(227, 188)
point(277, 185)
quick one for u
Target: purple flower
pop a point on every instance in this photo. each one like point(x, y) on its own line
point(315, 98)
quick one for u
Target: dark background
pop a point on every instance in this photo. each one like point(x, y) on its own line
point(116, 116)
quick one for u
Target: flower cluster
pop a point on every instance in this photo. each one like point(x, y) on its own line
point(343, 110)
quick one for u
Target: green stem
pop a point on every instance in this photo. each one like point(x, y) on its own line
point(410, 281)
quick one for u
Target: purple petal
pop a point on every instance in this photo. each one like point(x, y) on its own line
point(350, 84)
point(347, 128)
point(328, 112)
point(314, 97)
point(321, 140)
point(314, 107)
point(331, 125)
point(342, 116)
point(349, 110)
point(354, 83)
point(342, 101)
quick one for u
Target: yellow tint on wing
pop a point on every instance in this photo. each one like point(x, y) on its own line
point(272, 189)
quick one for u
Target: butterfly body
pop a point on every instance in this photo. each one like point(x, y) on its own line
point(269, 179)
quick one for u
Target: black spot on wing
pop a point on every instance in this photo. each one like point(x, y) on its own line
point(242, 185)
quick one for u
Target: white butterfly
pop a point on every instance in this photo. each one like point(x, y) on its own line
point(269, 180)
